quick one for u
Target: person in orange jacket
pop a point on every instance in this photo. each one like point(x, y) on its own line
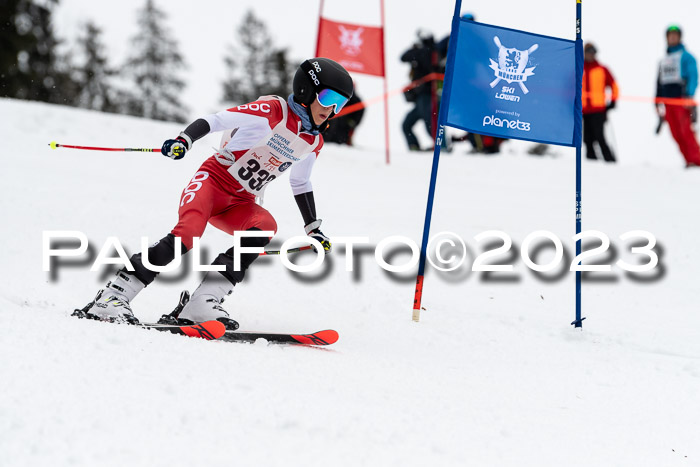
point(596, 80)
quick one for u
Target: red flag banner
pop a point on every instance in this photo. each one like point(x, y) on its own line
point(358, 48)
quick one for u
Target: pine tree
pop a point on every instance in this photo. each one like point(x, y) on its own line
point(94, 74)
point(15, 39)
point(281, 72)
point(30, 66)
point(257, 68)
point(155, 67)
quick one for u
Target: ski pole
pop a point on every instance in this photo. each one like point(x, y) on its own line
point(55, 145)
point(613, 137)
point(291, 250)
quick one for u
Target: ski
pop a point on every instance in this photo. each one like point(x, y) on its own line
point(320, 338)
point(216, 330)
point(208, 330)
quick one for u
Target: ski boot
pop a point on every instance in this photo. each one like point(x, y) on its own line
point(112, 303)
point(203, 305)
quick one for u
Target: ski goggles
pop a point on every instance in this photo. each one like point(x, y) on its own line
point(329, 97)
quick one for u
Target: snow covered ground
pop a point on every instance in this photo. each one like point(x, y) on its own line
point(492, 375)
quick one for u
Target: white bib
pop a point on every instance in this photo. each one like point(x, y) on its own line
point(271, 155)
point(670, 69)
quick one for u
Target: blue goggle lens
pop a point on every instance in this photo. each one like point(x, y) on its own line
point(328, 97)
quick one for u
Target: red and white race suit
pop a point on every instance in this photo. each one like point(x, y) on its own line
point(261, 141)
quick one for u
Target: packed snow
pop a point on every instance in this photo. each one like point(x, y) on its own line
point(492, 375)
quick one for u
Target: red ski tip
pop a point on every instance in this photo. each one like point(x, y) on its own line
point(208, 330)
point(326, 337)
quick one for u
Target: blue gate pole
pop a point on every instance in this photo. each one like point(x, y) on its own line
point(578, 124)
point(440, 134)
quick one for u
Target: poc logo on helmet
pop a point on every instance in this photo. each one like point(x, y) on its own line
point(313, 78)
point(317, 67)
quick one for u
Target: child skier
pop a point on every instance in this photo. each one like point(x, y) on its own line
point(261, 141)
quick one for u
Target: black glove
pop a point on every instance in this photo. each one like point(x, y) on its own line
point(611, 105)
point(693, 114)
point(661, 124)
point(313, 231)
point(660, 110)
point(175, 148)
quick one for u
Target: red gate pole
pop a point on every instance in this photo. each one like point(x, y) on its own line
point(386, 93)
point(318, 33)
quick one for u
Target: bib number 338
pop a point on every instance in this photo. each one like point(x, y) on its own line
point(254, 176)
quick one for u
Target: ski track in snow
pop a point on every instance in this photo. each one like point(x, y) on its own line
point(493, 374)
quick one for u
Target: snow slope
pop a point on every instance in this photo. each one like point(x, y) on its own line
point(492, 375)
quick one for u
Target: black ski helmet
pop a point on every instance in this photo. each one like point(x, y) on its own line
point(315, 75)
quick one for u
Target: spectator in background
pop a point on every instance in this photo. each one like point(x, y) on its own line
point(442, 45)
point(678, 78)
point(341, 128)
point(596, 80)
point(481, 144)
point(420, 56)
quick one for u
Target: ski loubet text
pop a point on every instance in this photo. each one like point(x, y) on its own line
point(447, 251)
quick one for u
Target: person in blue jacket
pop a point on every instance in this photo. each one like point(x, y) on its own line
point(678, 78)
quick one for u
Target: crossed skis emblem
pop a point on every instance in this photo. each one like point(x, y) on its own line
point(512, 65)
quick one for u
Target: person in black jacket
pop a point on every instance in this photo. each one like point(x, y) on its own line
point(341, 128)
point(421, 59)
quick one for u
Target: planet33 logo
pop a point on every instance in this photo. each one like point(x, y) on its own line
point(491, 120)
